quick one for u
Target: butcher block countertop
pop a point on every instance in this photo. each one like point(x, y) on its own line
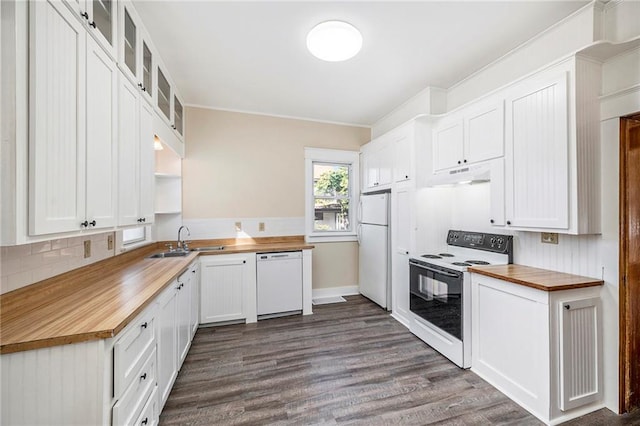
point(99, 300)
point(541, 279)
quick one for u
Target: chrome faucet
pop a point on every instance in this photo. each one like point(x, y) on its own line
point(182, 244)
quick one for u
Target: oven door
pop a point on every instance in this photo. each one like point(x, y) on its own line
point(436, 296)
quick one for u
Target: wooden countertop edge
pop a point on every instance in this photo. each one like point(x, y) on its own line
point(589, 282)
point(13, 347)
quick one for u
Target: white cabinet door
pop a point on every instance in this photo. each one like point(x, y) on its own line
point(195, 297)
point(484, 133)
point(448, 145)
point(223, 278)
point(183, 304)
point(101, 151)
point(384, 161)
point(57, 124)
point(404, 229)
point(128, 161)
point(167, 341)
point(537, 166)
point(146, 164)
point(403, 149)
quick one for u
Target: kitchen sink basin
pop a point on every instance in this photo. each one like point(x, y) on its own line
point(168, 254)
point(214, 248)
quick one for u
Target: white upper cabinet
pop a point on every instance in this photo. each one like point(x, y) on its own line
point(163, 96)
point(168, 104)
point(136, 54)
point(72, 128)
point(377, 163)
point(552, 148)
point(448, 145)
point(135, 157)
point(537, 184)
point(472, 135)
point(100, 17)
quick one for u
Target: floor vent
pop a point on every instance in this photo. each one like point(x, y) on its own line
point(328, 300)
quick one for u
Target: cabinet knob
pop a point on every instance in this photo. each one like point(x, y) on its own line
point(491, 221)
point(508, 222)
point(465, 161)
point(85, 15)
point(567, 307)
point(143, 377)
point(92, 24)
point(144, 325)
point(459, 162)
point(144, 89)
point(406, 176)
point(92, 223)
point(144, 219)
point(84, 224)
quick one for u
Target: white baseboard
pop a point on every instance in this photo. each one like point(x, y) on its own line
point(335, 291)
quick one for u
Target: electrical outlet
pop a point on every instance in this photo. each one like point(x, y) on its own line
point(110, 242)
point(238, 226)
point(261, 226)
point(549, 238)
point(87, 248)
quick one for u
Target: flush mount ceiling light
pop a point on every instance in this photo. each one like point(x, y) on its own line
point(334, 41)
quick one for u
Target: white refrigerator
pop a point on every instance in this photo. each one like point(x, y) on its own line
point(373, 238)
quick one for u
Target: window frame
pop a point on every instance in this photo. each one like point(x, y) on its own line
point(331, 156)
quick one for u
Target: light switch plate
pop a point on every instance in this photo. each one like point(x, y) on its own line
point(261, 226)
point(238, 226)
point(549, 238)
point(87, 248)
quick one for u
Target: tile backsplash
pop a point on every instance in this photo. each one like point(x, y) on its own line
point(29, 263)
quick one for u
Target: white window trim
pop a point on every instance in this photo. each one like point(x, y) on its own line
point(121, 247)
point(352, 158)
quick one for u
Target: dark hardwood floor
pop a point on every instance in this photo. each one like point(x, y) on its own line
point(348, 363)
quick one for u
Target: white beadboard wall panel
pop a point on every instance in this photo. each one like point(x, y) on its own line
point(29, 263)
point(621, 20)
point(225, 228)
point(68, 381)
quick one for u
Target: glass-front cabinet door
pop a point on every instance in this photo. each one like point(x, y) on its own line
point(130, 41)
point(147, 70)
point(178, 116)
point(164, 96)
point(100, 18)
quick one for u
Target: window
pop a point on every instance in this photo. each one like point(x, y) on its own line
point(331, 194)
point(133, 235)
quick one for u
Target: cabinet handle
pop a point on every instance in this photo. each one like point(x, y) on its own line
point(92, 24)
point(508, 222)
point(85, 15)
point(567, 307)
point(143, 377)
point(491, 220)
point(144, 325)
point(92, 223)
point(140, 85)
point(144, 89)
point(84, 224)
point(144, 219)
point(145, 421)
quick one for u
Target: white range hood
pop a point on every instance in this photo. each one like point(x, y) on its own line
point(475, 173)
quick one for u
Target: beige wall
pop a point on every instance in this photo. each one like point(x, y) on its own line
point(251, 166)
point(246, 165)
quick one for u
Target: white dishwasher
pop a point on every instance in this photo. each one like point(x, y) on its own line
point(279, 282)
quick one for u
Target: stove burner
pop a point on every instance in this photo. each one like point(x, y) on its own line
point(461, 264)
point(477, 262)
point(431, 256)
point(445, 254)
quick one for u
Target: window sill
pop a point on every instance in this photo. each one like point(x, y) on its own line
point(322, 238)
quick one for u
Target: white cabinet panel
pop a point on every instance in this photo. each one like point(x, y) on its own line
point(537, 166)
point(403, 237)
point(147, 164)
point(128, 160)
point(102, 81)
point(448, 145)
point(167, 342)
point(224, 280)
point(183, 304)
point(57, 124)
point(403, 159)
point(195, 297)
point(484, 133)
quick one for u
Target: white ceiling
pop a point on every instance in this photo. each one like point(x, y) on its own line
point(252, 56)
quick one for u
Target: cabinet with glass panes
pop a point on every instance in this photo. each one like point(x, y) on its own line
point(99, 18)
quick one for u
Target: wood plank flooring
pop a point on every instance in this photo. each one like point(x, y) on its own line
point(348, 363)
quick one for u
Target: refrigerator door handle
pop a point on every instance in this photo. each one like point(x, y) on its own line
point(358, 232)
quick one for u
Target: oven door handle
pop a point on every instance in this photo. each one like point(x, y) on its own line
point(448, 274)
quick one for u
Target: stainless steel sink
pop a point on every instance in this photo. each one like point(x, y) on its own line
point(168, 254)
point(214, 248)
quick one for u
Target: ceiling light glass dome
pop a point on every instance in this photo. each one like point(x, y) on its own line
point(334, 41)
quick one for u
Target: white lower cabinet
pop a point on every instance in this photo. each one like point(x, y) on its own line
point(540, 348)
point(183, 306)
point(228, 288)
point(403, 243)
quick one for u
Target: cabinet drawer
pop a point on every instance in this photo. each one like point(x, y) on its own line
point(132, 349)
point(132, 402)
point(149, 415)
